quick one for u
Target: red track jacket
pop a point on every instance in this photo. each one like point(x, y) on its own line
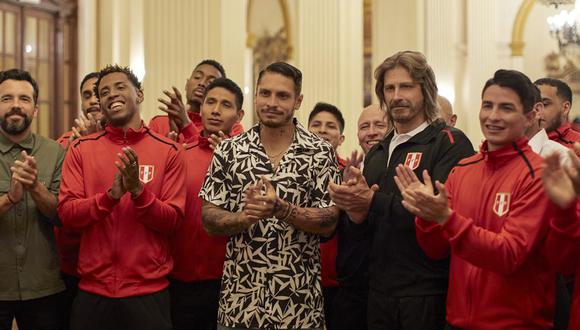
point(124, 247)
point(498, 277)
point(565, 135)
point(329, 250)
point(563, 248)
point(160, 124)
point(68, 240)
point(196, 255)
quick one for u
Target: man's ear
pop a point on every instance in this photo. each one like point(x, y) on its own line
point(139, 97)
point(241, 114)
point(298, 102)
point(566, 106)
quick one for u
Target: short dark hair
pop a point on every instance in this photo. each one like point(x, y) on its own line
point(516, 81)
point(20, 75)
point(286, 70)
point(230, 86)
point(327, 107)
point(537, 94)
point(116, 68)
point(215, 64)
point(87, 77)
point(562, 89)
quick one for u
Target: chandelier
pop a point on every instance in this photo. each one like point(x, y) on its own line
point(556, 3)
point(563, 28)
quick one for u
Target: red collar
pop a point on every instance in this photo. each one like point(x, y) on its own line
point(130, 136)
point(560, 131)
point(507, 152)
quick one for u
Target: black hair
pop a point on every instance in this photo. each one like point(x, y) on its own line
point(562, 89)
point(230, 86)
point(516, 81)
point(215, 64)
point(326, 107)
point(116, 68)
point(537, 94)
point(87, 77)
point(286, 70)
point(20, 75)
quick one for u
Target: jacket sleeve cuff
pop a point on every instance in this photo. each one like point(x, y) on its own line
point(189, 132)
point(144, 198)
point(106, 202)
point(426, 226)
point(565, 221)
point(455, 225)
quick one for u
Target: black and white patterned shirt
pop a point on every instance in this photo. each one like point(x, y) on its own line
point(272, 270)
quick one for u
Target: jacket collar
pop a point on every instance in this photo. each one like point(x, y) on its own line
point(560, 132)
point(118, 135)
point(423, 137)
point(514, 149)
point(26, 144)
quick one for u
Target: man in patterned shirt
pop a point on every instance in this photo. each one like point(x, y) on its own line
point(267, 190)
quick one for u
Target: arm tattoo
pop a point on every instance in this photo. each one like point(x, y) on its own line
point(315, 220)
point(218, 221)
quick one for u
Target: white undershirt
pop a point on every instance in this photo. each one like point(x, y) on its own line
point(402, 138)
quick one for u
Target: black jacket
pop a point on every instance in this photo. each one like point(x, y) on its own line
point(397, 265)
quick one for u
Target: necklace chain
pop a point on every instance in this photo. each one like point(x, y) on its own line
point(281, 152)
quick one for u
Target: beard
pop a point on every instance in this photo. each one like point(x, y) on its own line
point(404, 117)
point(275, 123)
point(15, 128)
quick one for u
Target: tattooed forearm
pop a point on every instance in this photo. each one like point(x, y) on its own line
point(218, 221)
point(314, 220)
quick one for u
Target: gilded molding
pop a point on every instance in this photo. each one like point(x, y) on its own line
point(517, 44)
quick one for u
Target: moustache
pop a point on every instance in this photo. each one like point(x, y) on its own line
point(398, 103)
point(15, 111)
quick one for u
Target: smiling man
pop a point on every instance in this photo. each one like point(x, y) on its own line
point(373, 125)
point(199, 257)
point(491, 217)
point(406, 289)
point(30, 285)
point(124, 189)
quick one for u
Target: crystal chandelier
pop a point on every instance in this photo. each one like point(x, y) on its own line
point(563, 28)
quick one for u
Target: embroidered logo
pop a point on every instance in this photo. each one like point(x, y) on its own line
point(413, 159)
point(501, 204)
point(146, 173)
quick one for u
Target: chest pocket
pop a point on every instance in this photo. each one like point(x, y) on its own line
point(294, 181)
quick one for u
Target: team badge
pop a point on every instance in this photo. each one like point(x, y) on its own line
point(501, 204)
point(146, 173)
point(413, 159)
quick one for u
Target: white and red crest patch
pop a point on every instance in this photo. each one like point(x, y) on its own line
point(501, 204)
point(413, 159)
point(146, 173)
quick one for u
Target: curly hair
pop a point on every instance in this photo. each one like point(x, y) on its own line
point(117, 68)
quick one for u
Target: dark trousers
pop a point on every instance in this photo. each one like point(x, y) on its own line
point(72, 287)
point(350, 309)
point(36, 314)
point(329, 294)
point(148, 312)
point(406, 313)
point(563, 304)
point(194, 305)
